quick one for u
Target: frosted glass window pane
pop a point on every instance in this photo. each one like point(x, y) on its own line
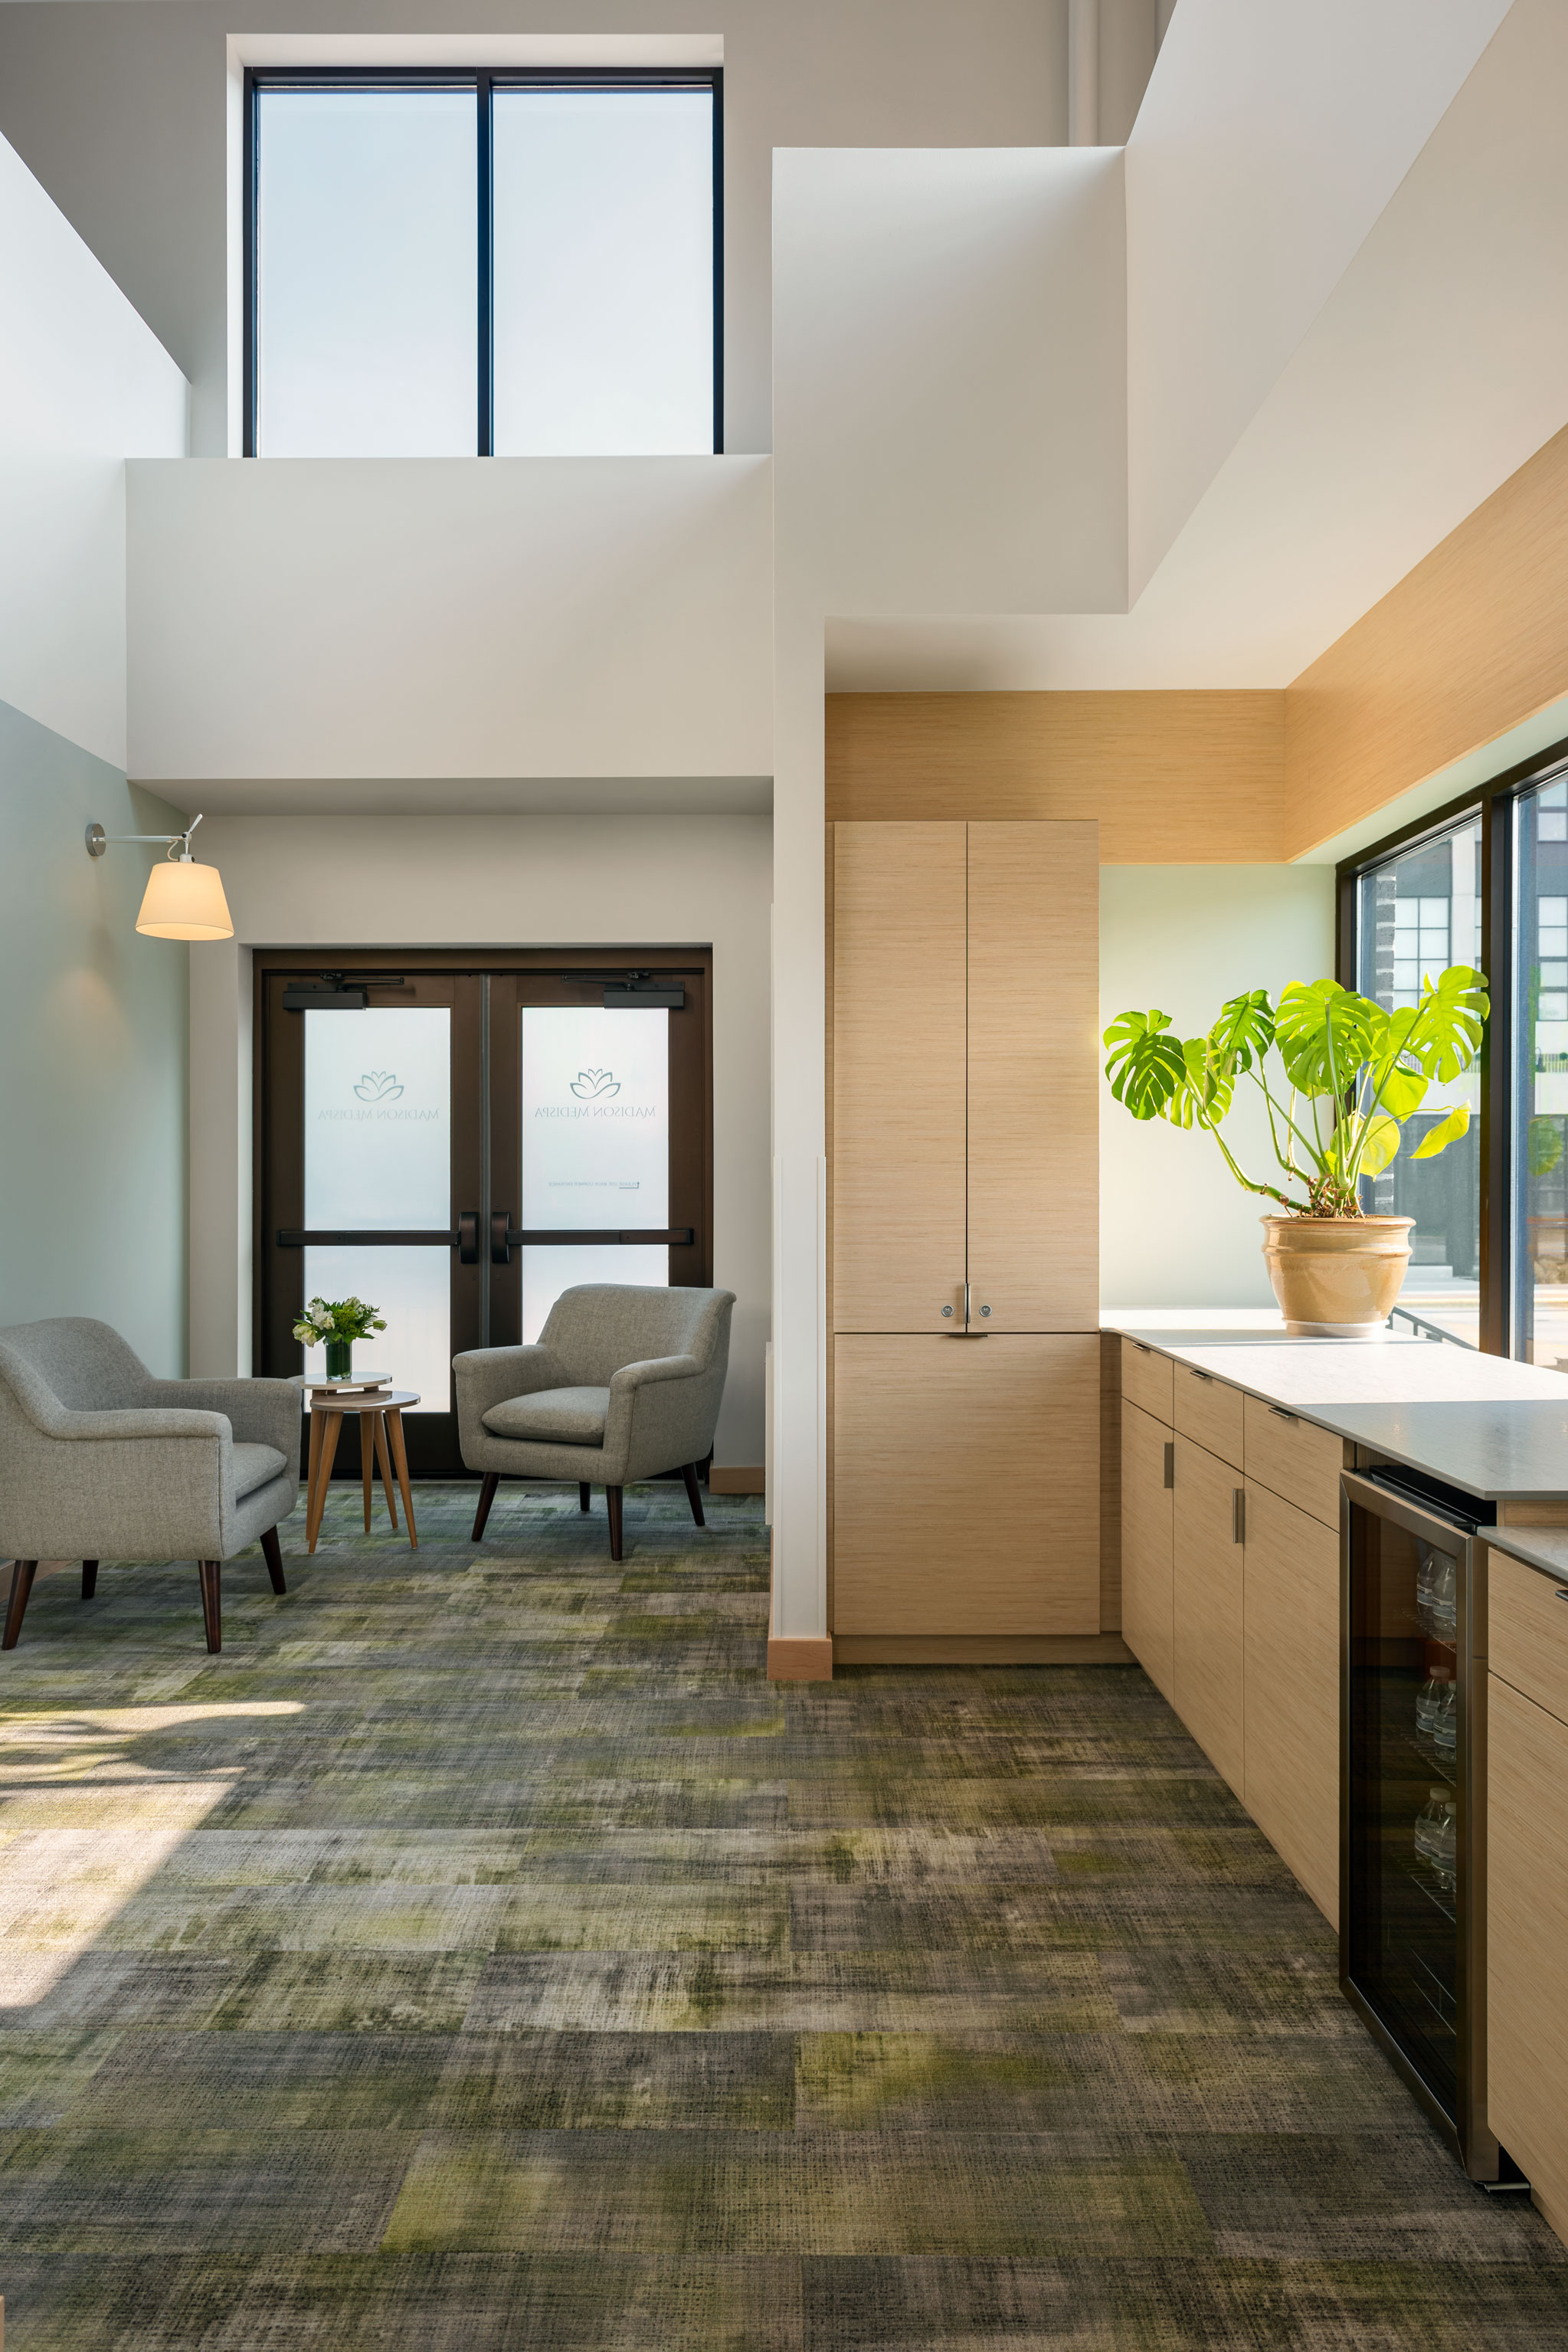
point(596, 1145)
point(603, 249)
point(413, 1289)
point(367, 273)
point(378, 1117)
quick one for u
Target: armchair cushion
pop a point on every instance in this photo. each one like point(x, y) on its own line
point(254, 1465)
point(556, 1416)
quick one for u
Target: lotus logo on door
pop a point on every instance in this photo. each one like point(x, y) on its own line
point(379, 1085)
point(595, 1085)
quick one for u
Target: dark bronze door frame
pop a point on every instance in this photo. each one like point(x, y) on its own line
point(485, 994)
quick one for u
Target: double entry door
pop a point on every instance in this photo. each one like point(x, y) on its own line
point(457, 1144)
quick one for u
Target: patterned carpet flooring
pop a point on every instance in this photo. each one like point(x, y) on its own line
point(481, 1953)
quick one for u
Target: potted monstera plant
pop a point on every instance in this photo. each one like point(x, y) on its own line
point(1338, 1077)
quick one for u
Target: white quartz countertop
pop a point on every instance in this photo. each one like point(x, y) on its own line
point(1495, 1429)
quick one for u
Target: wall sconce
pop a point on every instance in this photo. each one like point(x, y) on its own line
point(183, 900)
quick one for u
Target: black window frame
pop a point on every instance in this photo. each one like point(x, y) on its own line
point(1494, 804)
point(483, 80)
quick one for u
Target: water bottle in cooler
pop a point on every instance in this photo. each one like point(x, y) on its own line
point(1436, 1599)
point(1436, 1832)
point(1435, 1704)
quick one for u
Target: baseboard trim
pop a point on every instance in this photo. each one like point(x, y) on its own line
point(981, 1650)
point(725, 1479)
point(799, 1658)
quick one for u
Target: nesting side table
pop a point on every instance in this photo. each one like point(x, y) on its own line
point(383, 1411)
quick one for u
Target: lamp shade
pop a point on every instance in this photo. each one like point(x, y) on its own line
point(185, 901)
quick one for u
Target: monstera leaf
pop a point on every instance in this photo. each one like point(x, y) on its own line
point(1381, 1145)
point(1326, 1035)
point(1145, 1065)
point(1243, 1032)
point(1445, 1035)
point(1448, 1131)
point(1204, 1095)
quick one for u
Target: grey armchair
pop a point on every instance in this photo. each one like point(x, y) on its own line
point(624, 1383)
point(99, 1460)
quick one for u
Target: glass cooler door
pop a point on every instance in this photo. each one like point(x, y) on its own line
point(1408, 1603)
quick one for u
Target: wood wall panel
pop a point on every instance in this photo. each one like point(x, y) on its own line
point(1471, 643)
point(968, 1485)
point(1034, 1075)
point(898, 1084)
point(1171, 778)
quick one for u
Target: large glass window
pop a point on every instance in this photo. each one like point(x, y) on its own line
point(1540, 1074)
point(1418, 912)
point(467, 263)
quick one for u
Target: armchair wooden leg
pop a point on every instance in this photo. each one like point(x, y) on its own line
point(694, 1492)
point(22, 1574)
point(274, 1557)
point(583, 1493)
point(210, 1571)
point(613, 1497)
point(487, 1487)
point(88, 1579)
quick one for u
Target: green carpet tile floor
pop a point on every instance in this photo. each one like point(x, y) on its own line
point(481, 1953)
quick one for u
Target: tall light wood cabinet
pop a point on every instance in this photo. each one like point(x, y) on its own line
point(964, 1240)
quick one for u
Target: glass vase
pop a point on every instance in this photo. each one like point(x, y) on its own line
point(340, 1357)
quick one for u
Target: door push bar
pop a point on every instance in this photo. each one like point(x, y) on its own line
point(464, 1237)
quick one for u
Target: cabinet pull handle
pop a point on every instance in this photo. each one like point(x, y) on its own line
point(1281, 1414)
point(1142, 1349)
point(1170, 1481)
point(1563, 1593)
point(1239, 1515)
point(1195, 1374)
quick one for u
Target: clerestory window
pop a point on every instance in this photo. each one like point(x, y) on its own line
point(460, 264)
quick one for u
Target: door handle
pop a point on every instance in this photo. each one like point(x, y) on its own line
point(469, 1237)
point(501, 1242)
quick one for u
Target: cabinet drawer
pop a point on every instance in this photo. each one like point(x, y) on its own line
point(1528, 1636)
point(1146, 1379)
point(1208, 1410)
point(1148, 1496)
point(1207, 1612)
point(1294, 1459)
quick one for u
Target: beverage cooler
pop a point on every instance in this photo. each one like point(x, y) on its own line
point(1412, 1793)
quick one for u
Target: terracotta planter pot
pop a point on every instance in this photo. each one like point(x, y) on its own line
point(1336, 1277)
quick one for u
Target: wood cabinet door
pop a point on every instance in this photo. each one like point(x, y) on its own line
point(898, 1096)
point(1148, 1500)
point(1291, 1646)
point(1206, 1672)
point(1527, 1941)
point(966, 1484)
point(1034, 1075)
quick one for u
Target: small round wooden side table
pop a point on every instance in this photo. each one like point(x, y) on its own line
point(383, 1411)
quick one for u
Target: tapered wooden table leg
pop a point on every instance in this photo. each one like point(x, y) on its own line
point(378, 1428)
point(393, 1419)
point(331, 1423)
point(365, 1462)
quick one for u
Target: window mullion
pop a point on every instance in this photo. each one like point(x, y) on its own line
point(485, 248)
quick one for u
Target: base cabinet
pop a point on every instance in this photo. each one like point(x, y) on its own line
point(1207, 1676)
point(1290, 1680)
point(1527, 1940)
point(966, 1484)
point(1148, 1532)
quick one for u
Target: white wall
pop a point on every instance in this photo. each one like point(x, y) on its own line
point(1268, 140)
point(83, 384)
point(494, 616)
point(1175, 1229)
point(949, 379)
point(469, 882)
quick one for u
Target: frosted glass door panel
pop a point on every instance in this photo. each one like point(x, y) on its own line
point(413, 1289)
point(378, 1117)
point(595, 1145)
point(604, 272)
point(366, 274)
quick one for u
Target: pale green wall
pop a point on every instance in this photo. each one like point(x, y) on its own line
point(92, 1054)
point(1175, 1229)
